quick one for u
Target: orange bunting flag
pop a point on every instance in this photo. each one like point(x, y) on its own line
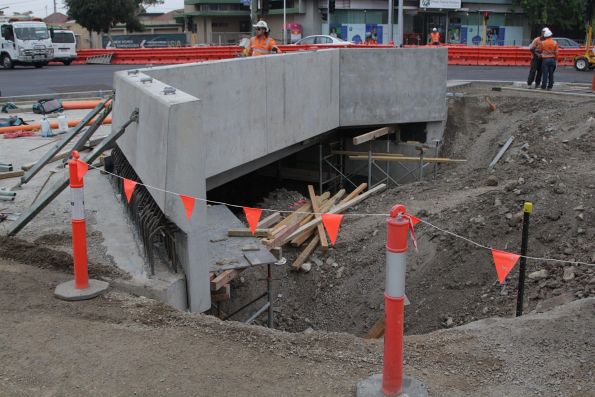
point(252, 216)
point(331, 223)
point(414, 220)
point(505, 262)
point(81, 169)
point(188, 205)
point(129, 186)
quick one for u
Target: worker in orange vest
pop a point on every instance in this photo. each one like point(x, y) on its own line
point(535, 71)
point(262, 44)
point(549, 55)
point(435, 37)
point(370, 39)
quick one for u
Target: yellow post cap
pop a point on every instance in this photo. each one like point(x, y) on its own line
point(528, 207)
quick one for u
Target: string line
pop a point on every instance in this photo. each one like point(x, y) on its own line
point(468, 240)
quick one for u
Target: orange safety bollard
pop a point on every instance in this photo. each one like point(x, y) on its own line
point(81, 287)
point(392, 382)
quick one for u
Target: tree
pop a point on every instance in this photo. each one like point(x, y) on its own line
point(102, 15)
point(566, 15)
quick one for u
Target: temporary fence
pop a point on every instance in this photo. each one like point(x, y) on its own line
point(457, 54)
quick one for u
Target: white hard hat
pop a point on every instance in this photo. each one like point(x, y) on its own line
point(544, 29)
point(262, 24)
point(547, 33)
point(434, 30)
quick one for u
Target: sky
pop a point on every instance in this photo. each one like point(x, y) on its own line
point(40, 7)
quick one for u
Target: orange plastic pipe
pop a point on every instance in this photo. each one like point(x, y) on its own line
point(53, 124)
point(91, 104)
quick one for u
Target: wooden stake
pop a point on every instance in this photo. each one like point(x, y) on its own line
point(306, 252)
point(316, 207)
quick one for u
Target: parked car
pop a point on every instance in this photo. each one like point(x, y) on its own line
point(64, 44)
point(563, 42)
point(322, 39)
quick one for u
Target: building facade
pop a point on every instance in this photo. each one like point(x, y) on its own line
point(489, 22)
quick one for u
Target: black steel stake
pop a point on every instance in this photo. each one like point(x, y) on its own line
point(527, 209)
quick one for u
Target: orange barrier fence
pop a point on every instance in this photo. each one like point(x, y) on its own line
point(53, 124)
point(457, 54)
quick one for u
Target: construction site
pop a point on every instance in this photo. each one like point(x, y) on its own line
point(241, 225)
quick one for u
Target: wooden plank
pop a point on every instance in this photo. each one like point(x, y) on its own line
point(373, 135)
point(281, 239)
point(299, 240)
point(224, 278)
point(277, 232)
point(306, 253)
point(356, 153)
point(300, 213)
point(425, 159)
point(11, 174)
point(316, 208)
point(224, 294)
point(59, 156)
point(246, 232)
point(355, 193)
point(338, 209)
point(269, 220)
point(377, 329)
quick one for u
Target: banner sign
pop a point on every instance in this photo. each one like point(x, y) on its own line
point(145, 40)
point(451, 4)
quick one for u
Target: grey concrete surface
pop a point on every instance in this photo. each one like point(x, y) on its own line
point(59, 78)
point(233, 112)
point(168, 153)
point(388, 86)
point(68, 292)
point(372, 387)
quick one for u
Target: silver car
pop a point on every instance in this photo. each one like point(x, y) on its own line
point(322, 40)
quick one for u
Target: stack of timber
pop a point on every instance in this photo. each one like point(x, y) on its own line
point(303, 227)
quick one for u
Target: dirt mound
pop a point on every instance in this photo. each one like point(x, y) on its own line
point(451, 282)
point(36, 255)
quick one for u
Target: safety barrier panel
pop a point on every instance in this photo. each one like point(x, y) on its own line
point(457, 54)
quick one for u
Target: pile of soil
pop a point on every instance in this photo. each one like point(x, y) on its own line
point(449, 281)
point(35, 254)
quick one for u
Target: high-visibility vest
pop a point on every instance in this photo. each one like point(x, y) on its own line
point(435, 37)
point(262, 46)
point(537, 45)
point(549, 48)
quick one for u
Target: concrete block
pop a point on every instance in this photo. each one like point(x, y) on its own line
point(67, 291)
point(372, 387)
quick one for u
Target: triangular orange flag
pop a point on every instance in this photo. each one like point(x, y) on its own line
point(414, 220)
point(81, 169)
point(331, 223)
point(129, 186)
point(252, 216)
point(505, 262)
point(188, 205)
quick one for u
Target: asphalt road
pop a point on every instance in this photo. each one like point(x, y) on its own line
point(59, 78)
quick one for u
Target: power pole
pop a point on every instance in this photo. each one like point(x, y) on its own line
point(55, 8)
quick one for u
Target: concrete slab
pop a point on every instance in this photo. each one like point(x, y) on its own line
point(372, 387)
point(67, 291)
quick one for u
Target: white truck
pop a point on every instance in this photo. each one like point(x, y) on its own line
point(64, 42)
point(24, 42)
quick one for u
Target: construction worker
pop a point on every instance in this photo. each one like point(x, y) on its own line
point(262, 44)
point(435, 37)
point(549, 55)
point(369, 39)
point(535, 71)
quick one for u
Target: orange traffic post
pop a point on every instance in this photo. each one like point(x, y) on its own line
point(392, 382)
point(81, 287)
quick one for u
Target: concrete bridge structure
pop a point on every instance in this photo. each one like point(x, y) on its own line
point(230, 117)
